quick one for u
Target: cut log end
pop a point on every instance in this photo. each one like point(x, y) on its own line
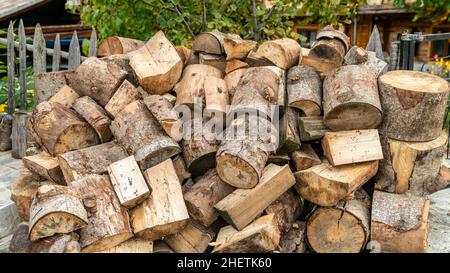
point(55, 223)
point(352, 116)
point(309, 108)
point(236, 171)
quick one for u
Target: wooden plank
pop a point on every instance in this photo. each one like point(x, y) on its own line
point(22, 66)
point(93, 43)
point(56, 54)
point(39, 54)
point(11, 56)
point(19, 134)
point(74, 52)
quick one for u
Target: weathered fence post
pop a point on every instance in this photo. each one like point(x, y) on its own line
point(22, 66)
point(74, 52)
point(39, 58)
point(93, 43)
point(56, 54)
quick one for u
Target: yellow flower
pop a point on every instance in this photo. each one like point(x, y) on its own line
point(2, 108)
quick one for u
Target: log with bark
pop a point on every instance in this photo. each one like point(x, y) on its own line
point(194, 238)
point(128, 182)
point(6, 122)
point(284, 53)
point(95, 115)
point(304, 89)
point(294, 241)
point(65, 96)
point(243, 205)
point(343, 228)
point(56, 209)
point(346, 147)
point(260, 236)
point(212, 42)
point(304, 158)
point(58, 129)
point(412, 167)
point(164, 212)
point(112, 45)
point(47, 84)
point(287, 208)
point(254, 60)
point(125, 95)
point(46, 166)
point(351, 99)
point(109, 223)
point(91, 160)
point(97, 79)
point(311, 128)
point(289, 132)
point(399, 222)
point(237, 48)
point(439, 222)
point(356, 55)
point(123, 61)
point(413, 104)
point(378, 66)
point(142, 136)
point(326, 185)
point(157, 64)
point(217, 61)
point(19, 134)
point(200, 199)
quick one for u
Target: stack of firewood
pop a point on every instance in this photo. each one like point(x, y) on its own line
point(117, 168)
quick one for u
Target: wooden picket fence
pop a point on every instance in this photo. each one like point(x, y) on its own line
point(40, 52)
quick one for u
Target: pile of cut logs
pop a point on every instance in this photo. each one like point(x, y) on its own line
point(110, 169)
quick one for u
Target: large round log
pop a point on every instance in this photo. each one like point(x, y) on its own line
point(60, 129)
point(284, 53)
point(350, 99)
point(212, 42)
point(413, 105)
point(142, 136)
point(343, 228)
point(109, 223)
point(56, 209)
point(118, 45)
point(411, 166)
point(304, 89)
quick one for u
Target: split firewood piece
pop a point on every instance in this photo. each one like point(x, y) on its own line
point(91, 160)
point(305, 158)
point(311, 128)
point(413, 104)
point(166, 116)
point(47, 84)
point(59, 129)
point(356, 55)
point(161, 247)
point(97, 79)
point(128, 182)
point(289, 132)
point(260, 236)
point(118, 45)
point(142, 136)
point(212, 42)
point(355, 146)
point(254, 60)
point(241, 158)
point(199, 150)
point(46, 166)
point(294, 241)
point(326, 185)
point(216, 98)
point(203, 195)
point(183, 52)
point(164, 212)
point(240, 208)
point(287, 209)
point(23, 190)
point(181, 169)
point(217, 61)
point(411, 167)
point(157, 64)
point(109, 223)
point(343, 228)
point(232, 80)
point(56, 209)
point(237, 48)
point(350, 99)
point(95, 115)
point(194, 238)
point(125, 95)
point(133, 245)
point(329, 50)
point(284, 53)
point(65, 96)
point(399, 222)
point(123, 61)
point(235, 64)
point(192, 83)
point(59, 243)
point(304, 90)
point(378, 66)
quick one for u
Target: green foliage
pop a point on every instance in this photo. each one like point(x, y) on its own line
point(435, 11)
point(334, 12)
point(140, 19)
